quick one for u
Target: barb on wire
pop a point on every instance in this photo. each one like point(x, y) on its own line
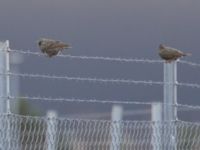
point(77, 100)
point(189, 63)
point(99, 80)
point(92, 57)
point(116, 59)
point(81, 100)
point(192, 85)
point(89, 79)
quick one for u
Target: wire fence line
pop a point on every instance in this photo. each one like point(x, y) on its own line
point(100, 101)
point(28, 132)
point(99, 80)
point(28, 52)
point(193, 64)
point(192, 85)
point(89, 79)
point(112, 59)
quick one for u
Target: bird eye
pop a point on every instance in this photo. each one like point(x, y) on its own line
point(40, 43)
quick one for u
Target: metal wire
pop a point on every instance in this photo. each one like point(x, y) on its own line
point(192, 85)
point(28, 52)
point(100, 80)
point(189, 63)
point(80, 100)
point(136, 60)
point(107, 101)
point(39, 133)
point(27, 132)
point(89, 79)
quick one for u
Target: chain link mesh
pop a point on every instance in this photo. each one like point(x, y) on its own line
point(42, 133)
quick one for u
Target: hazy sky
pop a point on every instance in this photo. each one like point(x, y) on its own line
point(114, 28)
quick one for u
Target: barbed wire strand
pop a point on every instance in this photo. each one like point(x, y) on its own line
point(91, 57)
point(100, 80)
point(192, 85)
point(99, 101)
point(137, 60)
point(89, 79)
point(189, 63)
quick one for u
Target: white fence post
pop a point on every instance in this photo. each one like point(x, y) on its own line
point(3, 47)
point(7, 78)
point(156, 117)
point(170, 100)
point(116, 116)
point(51, 133)
point(5, 92)
point(15, 60)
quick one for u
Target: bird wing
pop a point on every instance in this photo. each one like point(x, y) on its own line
point(45, 47)
point(170, 53)
point(57, 45)
point(174, 52)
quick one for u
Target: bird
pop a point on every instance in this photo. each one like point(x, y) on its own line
point(52, 47)
point(170, 54)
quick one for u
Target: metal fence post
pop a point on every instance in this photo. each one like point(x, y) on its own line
point(51, 130)
point(15, 61)
point(2, 92)
point(7, 78)
point(169, 109)
point(116, 116)
point(3, 47)
point(5, 93)
point(156, 117)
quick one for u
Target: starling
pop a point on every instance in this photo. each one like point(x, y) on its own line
point(170, 54)
point(52, 47)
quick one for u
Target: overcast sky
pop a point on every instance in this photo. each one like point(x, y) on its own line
point(114, 28)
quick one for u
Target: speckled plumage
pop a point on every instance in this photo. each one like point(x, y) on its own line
point(51, 47)
point(170, 54)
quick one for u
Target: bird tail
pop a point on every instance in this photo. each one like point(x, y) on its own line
point(187, 54)
point(68, 46)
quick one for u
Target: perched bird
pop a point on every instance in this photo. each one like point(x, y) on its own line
point(170, 54)
point(52, 47)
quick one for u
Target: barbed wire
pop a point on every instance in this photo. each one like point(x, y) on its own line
point(192, 85)
point(89, 79)
point(189, 63)
point(100, 80)
point(77, 100)
point(101, 58)
point(108, 114)
point(116, 59)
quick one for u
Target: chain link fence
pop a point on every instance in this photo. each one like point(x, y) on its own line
point(43, 133)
